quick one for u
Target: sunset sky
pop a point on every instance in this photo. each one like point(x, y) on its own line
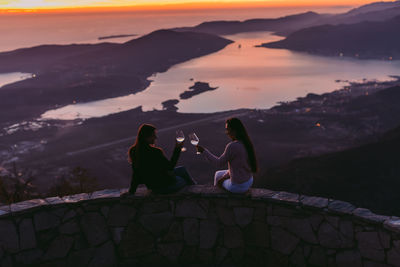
point(56, 4)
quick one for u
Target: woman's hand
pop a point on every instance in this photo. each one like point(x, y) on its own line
point(179, 145)
point(200, 148)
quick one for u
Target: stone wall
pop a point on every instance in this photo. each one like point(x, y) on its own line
point(198, 226)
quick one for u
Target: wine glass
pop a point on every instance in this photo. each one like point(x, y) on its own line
point(180, 137)
point(194, 140)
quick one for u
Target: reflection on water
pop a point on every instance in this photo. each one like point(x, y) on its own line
point(7, 78)
point(247, 77)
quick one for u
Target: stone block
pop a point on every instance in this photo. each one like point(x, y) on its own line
point(375, 264)
point(367, 215)
point(206, 256)
point(208, 234)
point(384, 237)
point(233, 237)
point(283, 211)
point(277, 220)
point(256, 234)
point(288, 198)
point(393, 224)
point(119, 215)
point(6, 262)
point(225, 215)
point(69, 215)
point(8, 236)
point(314, 202)
point(260, 214)
point(283, 241)
point(328, 236)
point(59, 211)
point(301, 228)
point(44, 220)
point(156, 223)
point(341, 207)
point(297, 258)
point(76, 198)
point(27, 237)
point(80, 242)
point(259, 193)
point(315, 221)
point(29, 257)
point(243, 216)
point(346, 228)
point(59, 248)
point(171, 250)
point(175, 233)
point(348, 258)
point(117, 234)
point(105, 210)
point(28, 204)
point(189, 256)
point(54, 200)
point(155, 207)
point(333, 221)
point(370, 246)
point(94, 228)
point(220, 254)
point(80, 257)
point(318, 257)
point(70, 227)
point(5, 210)
point(107, 193)
point(192, 209)
point(104, 256)
point(136, 242)
point(191, 231)
point(276, 259)
point(393, 256)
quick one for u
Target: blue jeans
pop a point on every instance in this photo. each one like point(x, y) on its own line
point(182, 178)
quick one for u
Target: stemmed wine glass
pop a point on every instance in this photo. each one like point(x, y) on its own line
point(180, 137)
point(194, 140)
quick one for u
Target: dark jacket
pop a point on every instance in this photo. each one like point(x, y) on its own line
point(152, 168)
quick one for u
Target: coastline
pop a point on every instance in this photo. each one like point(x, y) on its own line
point(310, 125)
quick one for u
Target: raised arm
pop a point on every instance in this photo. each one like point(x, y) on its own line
point(164, 162)
point(220, 161)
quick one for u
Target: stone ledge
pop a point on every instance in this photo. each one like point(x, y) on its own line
point(209, 191)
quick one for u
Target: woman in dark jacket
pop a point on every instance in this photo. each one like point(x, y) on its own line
point(152, 168)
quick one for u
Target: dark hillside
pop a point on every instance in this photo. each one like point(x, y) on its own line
point(379, 40)
point(367, 176)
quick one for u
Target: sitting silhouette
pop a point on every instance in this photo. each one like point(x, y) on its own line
point(152, 168)
point(239, 155)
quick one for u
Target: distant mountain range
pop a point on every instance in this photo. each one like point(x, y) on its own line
point(369, 31)
point(367, 176)
point(68, 73)
point(286, 25)
point(380, 40)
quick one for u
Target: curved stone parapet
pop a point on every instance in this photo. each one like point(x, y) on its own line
point(200, 225)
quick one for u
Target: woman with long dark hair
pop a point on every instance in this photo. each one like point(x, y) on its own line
point(240, 156)
point(152, 168)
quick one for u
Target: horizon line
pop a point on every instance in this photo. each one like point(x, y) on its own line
point(169, 6)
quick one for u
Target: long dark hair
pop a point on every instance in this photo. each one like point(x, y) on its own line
point(237, 127)
point(144, 132)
